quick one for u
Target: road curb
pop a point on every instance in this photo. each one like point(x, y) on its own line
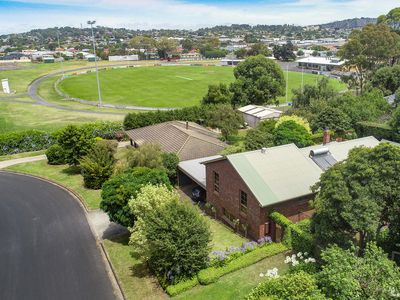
point(108, 265)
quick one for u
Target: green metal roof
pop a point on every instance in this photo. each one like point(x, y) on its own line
point(276, 175)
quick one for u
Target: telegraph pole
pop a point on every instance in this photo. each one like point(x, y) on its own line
point(91, 23)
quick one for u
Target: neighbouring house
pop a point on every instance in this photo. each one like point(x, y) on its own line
point(187, 139)
point(322, 64)
point(230, 61)
point(247, 187)
point(254, 114)
point(131, 57)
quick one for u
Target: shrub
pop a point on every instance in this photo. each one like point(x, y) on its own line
point(148, 155)
point(380, 131)
point(76, 143)
point(212, 274)
point(118, 190)
point(177, 236)
point(298, 120)
point(296, 286)
point(55, 155)
point(25, 141)
point(106, 129)
point(170, 162)
point(182, 286)
point(291, 132)
point(98, 165)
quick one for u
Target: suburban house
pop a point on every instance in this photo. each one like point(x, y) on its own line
point(187, 139)
point(249, 186)
point(254, 114)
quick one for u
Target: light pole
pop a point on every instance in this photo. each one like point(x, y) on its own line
point(62, 61)
point(95, 61)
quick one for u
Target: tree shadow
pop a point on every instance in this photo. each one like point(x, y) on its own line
point(72, 170)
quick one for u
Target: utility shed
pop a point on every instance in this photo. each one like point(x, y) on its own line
point(254, 114)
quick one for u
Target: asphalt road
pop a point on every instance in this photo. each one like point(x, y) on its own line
point(47, 250)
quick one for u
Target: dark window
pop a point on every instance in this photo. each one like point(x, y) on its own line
point(216, 182)
point(243, 202)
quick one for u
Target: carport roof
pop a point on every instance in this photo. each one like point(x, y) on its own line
point(196, 170)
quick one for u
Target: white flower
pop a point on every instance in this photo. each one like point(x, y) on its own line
point(299, 254)
point(261, 274)
point(295, 263)
point(305, 253)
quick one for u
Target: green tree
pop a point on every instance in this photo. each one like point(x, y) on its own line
point(76, 143)
point(143, 42)
point(119, 189)
point(332, 118)
point(395, 121)
point(357, 197)
point(259, 80)
point(284, 52)
point(241, 53)
point(170, 162)
point(147, 155)
point(226, 119)
point(368, 49)
point(177, 240)
point(165, 47)
point(387, 79)
point(346, 276)
point(291, 132)
point(259, 49)
point(217, 94)
point(261, 136)
point(98, 165)
point(302, 97)
point(391, 19)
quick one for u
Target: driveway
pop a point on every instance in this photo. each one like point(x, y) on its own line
point(47, 250)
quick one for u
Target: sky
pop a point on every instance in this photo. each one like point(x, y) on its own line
point(24, 15)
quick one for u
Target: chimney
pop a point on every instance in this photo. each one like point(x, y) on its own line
point(327, 137)
point(187, 125)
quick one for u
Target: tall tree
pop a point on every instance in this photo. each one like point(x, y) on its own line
point(143, 42)
point(368, 49)
point(284, 52)
point(165, 47)
point(259, 80)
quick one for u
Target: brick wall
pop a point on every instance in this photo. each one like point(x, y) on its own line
point(228, 197)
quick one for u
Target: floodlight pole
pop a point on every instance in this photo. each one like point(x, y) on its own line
point(287, 82)
point(95, 61)
point(62, 61)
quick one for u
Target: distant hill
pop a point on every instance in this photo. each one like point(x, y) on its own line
point(349, 23)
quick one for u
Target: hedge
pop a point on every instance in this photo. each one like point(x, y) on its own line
point(35, 140)
point(378, 130)
point(192, 114)
point(182, 286)
point(293, 236)
point(212, 274)
point(25, 141)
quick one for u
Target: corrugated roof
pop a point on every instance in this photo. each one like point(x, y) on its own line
point(188, 143)
point(260, 111)
point(279, 174)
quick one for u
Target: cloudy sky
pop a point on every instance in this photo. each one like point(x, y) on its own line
point(23, 15)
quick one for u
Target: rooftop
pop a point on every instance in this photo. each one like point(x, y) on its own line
point(321, 61)
point(261, 112)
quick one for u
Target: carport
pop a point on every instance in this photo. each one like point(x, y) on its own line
point(192, 173)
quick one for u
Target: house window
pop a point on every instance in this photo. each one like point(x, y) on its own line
point(243, 202)
point(216, 182)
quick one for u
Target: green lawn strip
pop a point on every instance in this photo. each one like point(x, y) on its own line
point(238, 284)
point(212, 274)
point(21, 155)
point(20, 116)
point(223, 237)
point(133, 275)
point(63, 175)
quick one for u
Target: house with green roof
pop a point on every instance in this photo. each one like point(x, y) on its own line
point(245, 188)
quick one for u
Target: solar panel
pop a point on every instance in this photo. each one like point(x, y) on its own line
point(324, 161)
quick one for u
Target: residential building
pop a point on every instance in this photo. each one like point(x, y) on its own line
point(249, 186)
point(187, 139)
point(254, 114)
point(322, 64)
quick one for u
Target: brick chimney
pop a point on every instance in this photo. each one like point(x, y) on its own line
point(327, 137)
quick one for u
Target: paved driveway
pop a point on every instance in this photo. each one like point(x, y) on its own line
point(47, 250)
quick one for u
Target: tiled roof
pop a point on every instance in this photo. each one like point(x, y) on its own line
point(192, 142)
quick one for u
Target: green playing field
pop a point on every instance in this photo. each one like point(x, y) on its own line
point(164, 86)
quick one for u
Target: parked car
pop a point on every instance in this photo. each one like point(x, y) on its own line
point(198, 194)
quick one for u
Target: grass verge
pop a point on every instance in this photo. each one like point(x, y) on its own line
point(21, 155)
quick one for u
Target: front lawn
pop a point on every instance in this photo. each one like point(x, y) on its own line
point(64, 175)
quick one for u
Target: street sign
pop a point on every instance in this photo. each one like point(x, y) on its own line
point(6, 86)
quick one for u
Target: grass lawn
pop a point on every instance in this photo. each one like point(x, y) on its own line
point(21, 155)
point(175, 86)
point(63, 175)
point(21, 116)
point(238, 284)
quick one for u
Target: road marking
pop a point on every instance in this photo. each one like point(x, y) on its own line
point(186, 78)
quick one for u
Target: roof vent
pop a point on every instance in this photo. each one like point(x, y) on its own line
point(319, 151)
point(263, 150)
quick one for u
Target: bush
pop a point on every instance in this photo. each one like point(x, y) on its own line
point(98, 165)
point(291, 132)
point(107, 130)
point(296, 286)
point(182, 286)
point(118, 190)
point(212, 274)
point(379, 131)
point(170, 162)
point(55, 155)
point(177, 236)
point(25, 141)
point(293, 236)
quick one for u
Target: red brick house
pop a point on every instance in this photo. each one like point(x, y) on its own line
point(249, 186)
